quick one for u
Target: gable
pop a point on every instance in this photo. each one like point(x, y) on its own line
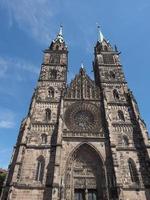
point(82, 87)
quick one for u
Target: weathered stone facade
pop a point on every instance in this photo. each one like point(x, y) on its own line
point(85, 141)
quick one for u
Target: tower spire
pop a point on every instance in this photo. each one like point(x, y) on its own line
point(100, 34)
point(61, 30)
point(60, 37)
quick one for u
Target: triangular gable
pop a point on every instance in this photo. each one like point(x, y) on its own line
point(82, 87)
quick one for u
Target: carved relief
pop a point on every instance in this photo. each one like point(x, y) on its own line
point(82, 87)
point(115, 75)
point(84, 171)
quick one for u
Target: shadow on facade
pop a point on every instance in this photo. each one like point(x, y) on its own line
point(140, 146)
point(113, 191)
point(51, 165)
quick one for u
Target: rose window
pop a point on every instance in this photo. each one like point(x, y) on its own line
point(83, 119)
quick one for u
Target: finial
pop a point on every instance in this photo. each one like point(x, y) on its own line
point(82, 66)
point(82, 69)
point(60, 35)
point(100, 34)
point(61, 30)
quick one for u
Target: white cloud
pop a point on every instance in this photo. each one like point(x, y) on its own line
point(32, 16)
point(9, 66)
point(7, 119)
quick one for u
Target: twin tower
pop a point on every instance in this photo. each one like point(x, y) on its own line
point(85, 141)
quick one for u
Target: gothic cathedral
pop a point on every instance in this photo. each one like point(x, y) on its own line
point(82, 141)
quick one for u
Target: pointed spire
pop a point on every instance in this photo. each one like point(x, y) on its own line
point(100, 34)
point(60, 37)
point(82, 69)
point(61, 30)
point(82, 66)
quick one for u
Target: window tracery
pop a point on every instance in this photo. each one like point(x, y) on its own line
point(115, 94)
point(40, 169)
point(48, 114)
point(82, 117)
point(44, 138)
point(125, 141)
point(51, 92)
point(121, 115)
point(53, 74)
point(133, 171)
point(112, 75)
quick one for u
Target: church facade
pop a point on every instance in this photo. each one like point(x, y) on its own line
point(82, 141)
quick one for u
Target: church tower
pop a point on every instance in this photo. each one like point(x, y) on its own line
point(82, 141)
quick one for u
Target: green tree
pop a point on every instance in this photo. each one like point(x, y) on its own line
point(2, 179)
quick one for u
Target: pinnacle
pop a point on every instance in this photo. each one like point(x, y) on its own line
point(60, 37)
point(100, 35)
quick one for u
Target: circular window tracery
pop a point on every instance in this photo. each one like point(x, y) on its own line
point(82, 117)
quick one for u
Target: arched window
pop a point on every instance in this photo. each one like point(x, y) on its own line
point(44, 138)
point(133, 171)
point(125, 141)
point(115, 94)
point(51, 92)
point(121, 115)
point(105, 48)
point(112, 75)
point(57, 47)
point(40, 169)
point(48, 114)
point(53, 74)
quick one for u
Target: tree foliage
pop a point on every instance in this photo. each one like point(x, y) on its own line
point(2, 179)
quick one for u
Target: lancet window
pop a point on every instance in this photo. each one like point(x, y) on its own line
point(48, 114)
point(115, 94)
point(53, 74)
point(133, 171)
point(112, 75)
point(51, 92)
point(44, 138)
point(40, 169)
point(125, 141)
point(121, 115)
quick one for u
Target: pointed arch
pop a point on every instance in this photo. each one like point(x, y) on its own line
point(112, 75)
point(44, 138)
point(53, 73)
point(125, 141)
point(51, 92)
point(40, 168)
point(84, 170)
point(115, 94)
point(105, 48)
point(48, 114)
point(133, 171)
point(121, 115)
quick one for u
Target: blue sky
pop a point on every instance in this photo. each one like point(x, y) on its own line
point(27, 28)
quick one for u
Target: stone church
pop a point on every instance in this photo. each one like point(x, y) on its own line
point(82, 141)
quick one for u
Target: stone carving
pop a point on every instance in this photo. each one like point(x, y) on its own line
point(84, 168)
point(82, 87)
point(82, 117)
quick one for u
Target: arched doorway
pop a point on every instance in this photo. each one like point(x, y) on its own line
point(85, 175)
